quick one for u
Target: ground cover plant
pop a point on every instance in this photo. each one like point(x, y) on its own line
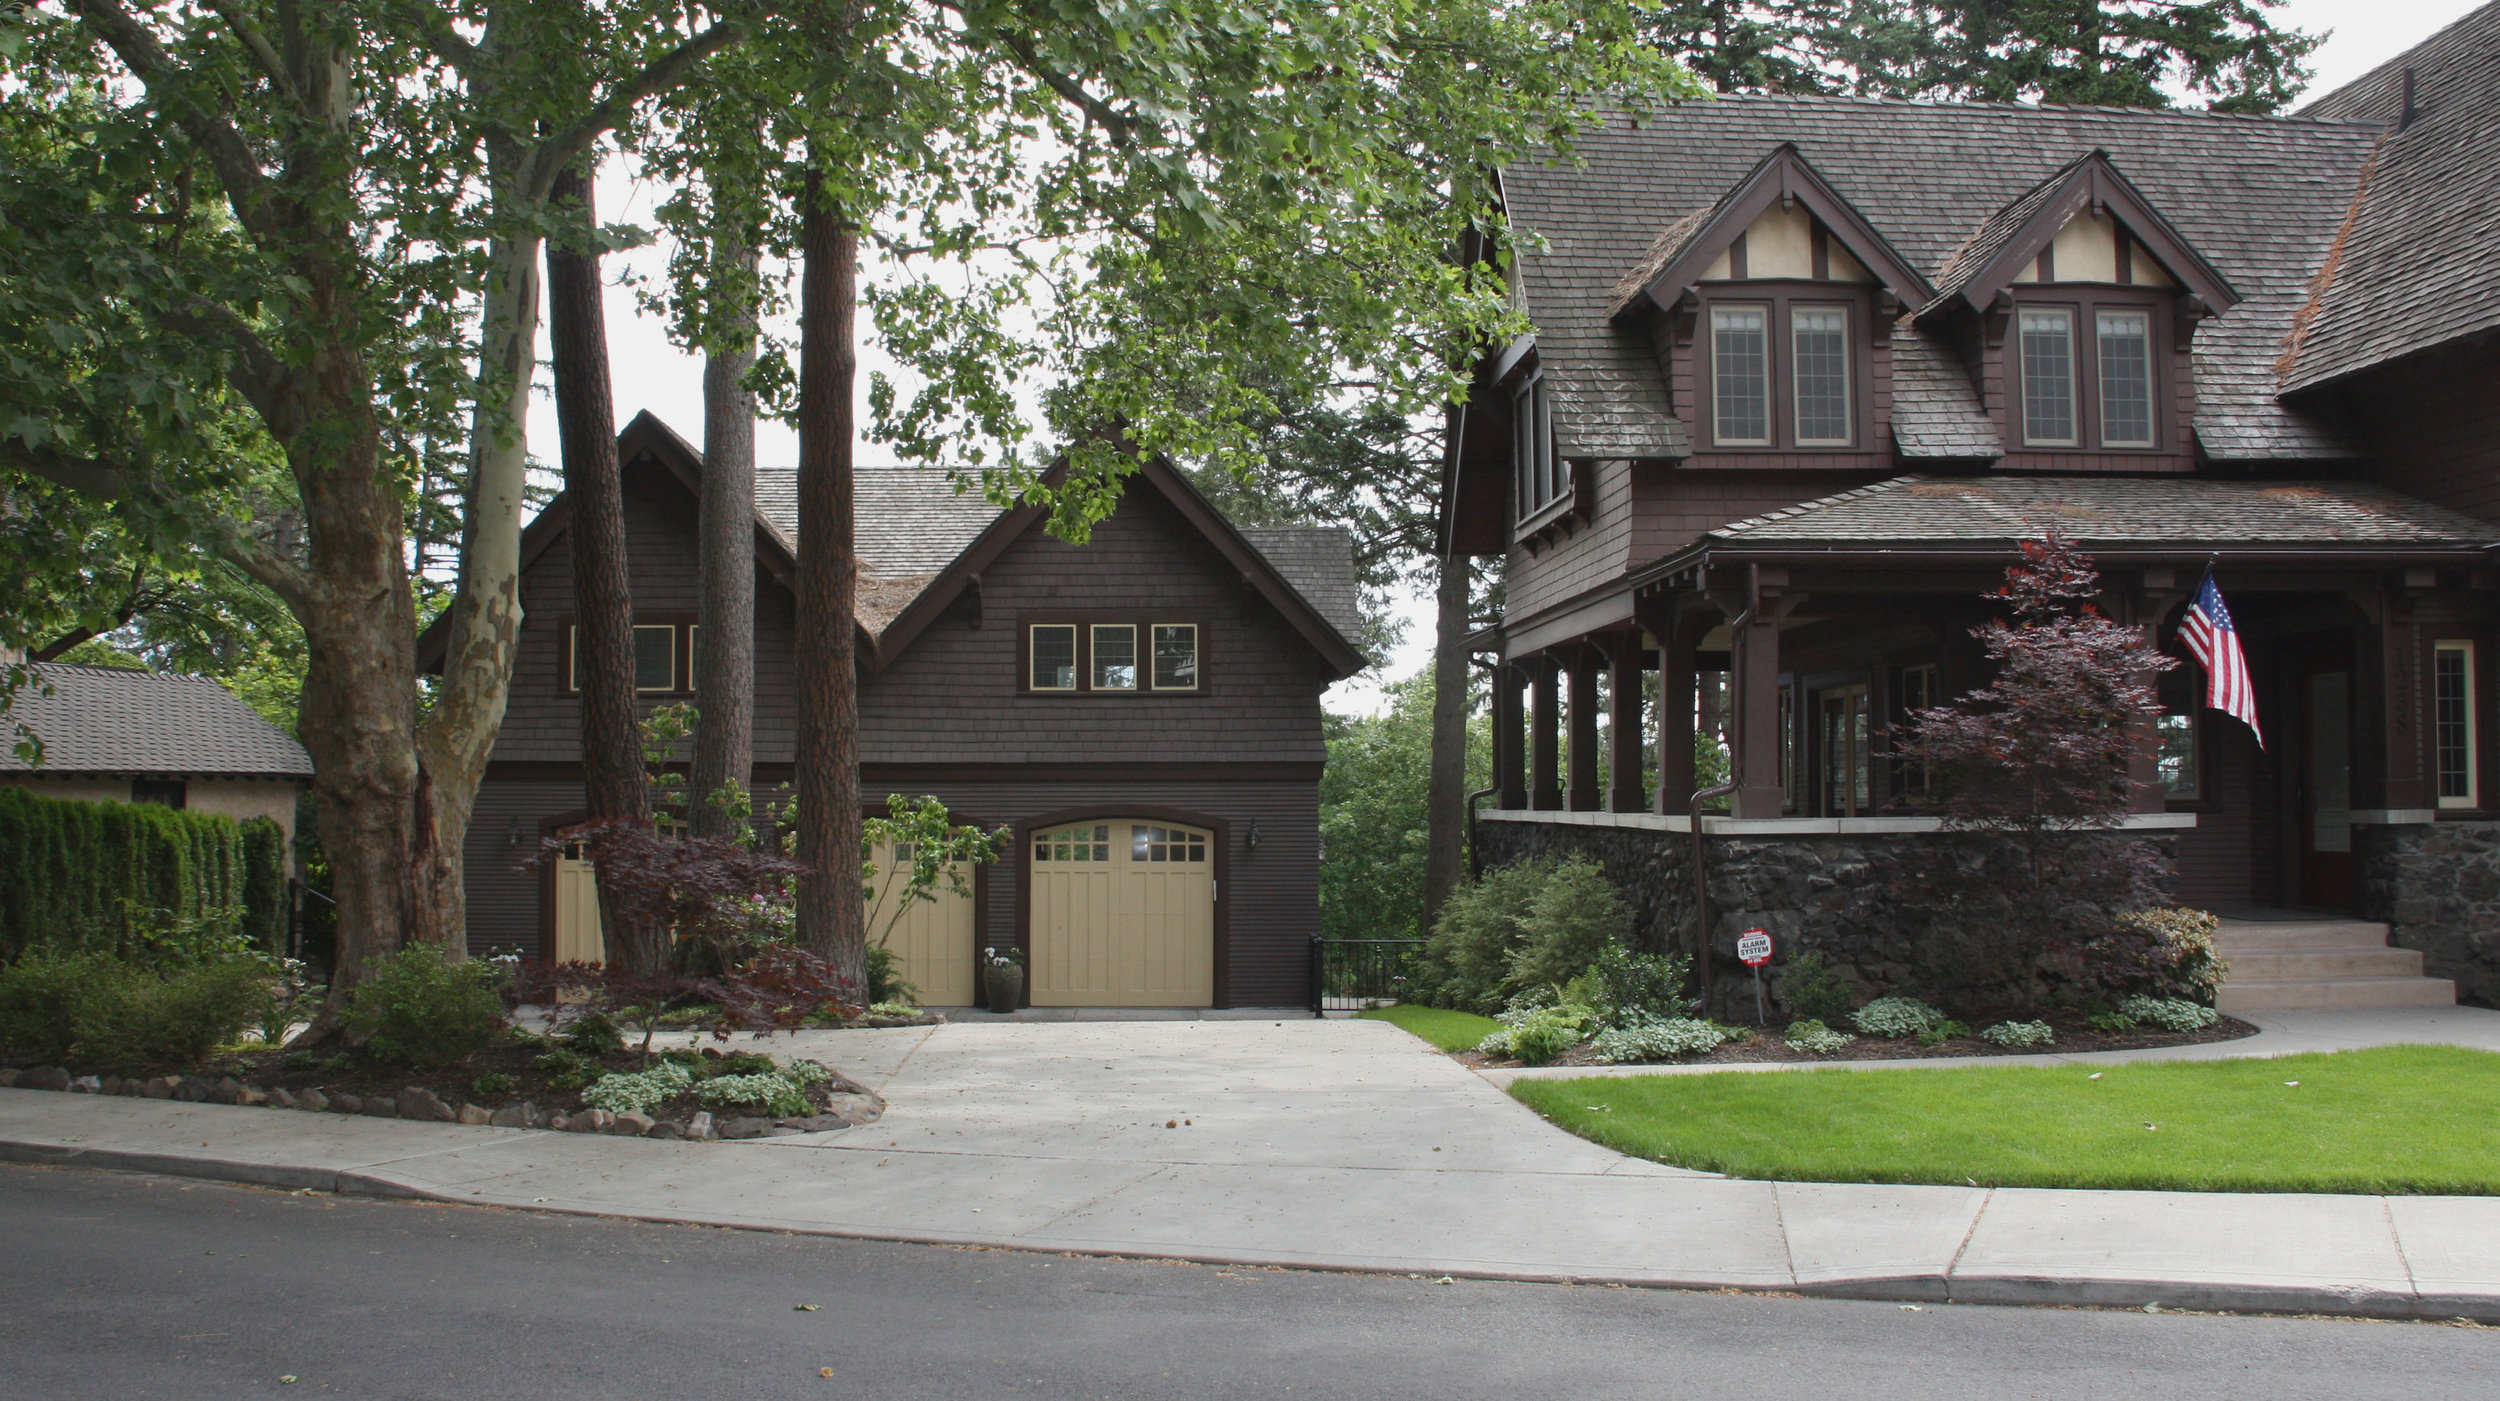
point(2404, 1119)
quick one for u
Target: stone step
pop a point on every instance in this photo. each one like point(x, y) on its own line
point(2279, 994)
point(2277, 965)
point(2255, 937)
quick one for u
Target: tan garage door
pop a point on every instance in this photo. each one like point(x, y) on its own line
point(1123, 915)
point(931, 939)
point(577, 910)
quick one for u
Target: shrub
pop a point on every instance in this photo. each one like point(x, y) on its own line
point(2111, 1022)
point(593, 1034)
point(2169, 1013)
point(780, 989)
point(1809, 989)
point(569, 1069)
point(2015, 1035)
point(1633, 987)
point(1544, 1036)
point(421, 1011)
point(491, 1083)
point(1814, 1038)
point(1661, 1039)
point(1943, 1031)
point(1897, 1017)
point(639, 1092)
point(1466, 963)
point(2172, 955)
point(886, 983)
point(91, 1009)
point(1574, 917)
point(775, 1095)
point(135, 879)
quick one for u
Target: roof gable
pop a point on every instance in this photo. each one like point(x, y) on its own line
point(1686, 248)
point(2012, 239)
point(95, 719)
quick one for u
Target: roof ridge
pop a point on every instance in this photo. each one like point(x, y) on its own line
point(1838, 99)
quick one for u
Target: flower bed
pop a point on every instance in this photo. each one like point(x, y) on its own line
point(2074, 1033)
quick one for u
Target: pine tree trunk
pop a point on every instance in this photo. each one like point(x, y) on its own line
point(1445, 802)
point(614, 786)
point(830, 918)
point(724, 681)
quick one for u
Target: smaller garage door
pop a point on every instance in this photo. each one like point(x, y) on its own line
point(577, 910)
point(931, 939)
point(1123, 915)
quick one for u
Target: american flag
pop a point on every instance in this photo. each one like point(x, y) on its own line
point(2208, 633)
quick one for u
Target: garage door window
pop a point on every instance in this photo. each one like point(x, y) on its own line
point(1147, 843)
point(1085, 842)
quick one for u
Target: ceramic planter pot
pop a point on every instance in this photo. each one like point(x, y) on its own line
point(1005, 983)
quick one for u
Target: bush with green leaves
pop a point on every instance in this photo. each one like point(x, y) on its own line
point(1654, 1039)
point(1810, 1035)
point(1532, 924)
point(641, 1091)
point(2112, 1021)
point(1543, 1036)
point(1897, 1017)
point(1943, 1031)
point(1572, 920)
point(98, 1011)
point(1467, 962)
point(424, 1012)
point(772, 1095)
point(1810, 990)
point(594, 1034)
point(2169, 1013)
point(568, 1069)
point(2014, 1036)
point(1631, 987)
point(494, 1082)
point(2172, 956)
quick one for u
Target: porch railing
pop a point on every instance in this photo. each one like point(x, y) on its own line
point(1348, 975)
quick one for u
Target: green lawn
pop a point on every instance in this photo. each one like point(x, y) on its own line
point(2420, 1119)
point(1451, 1031)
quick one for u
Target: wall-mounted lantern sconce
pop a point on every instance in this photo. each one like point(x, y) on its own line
point(512, 834)
point(1253, 839)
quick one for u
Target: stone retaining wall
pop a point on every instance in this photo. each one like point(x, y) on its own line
point(2436, 885)
point(1854, 898)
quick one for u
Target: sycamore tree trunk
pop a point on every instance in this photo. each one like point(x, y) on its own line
point(1445, 801)
point(614, 786)
point(724, 681)
point(830, 917)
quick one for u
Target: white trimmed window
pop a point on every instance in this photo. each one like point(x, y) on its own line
point(1176, 656)
point(1115, 656)
point(2125, 339)
point(1819, 341)
point(1053, 648)
point(1740, 375)
point(2048, 369)
point(655, 657)
point(2453, 739)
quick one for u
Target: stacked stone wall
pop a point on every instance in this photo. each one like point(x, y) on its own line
point(2436, 885)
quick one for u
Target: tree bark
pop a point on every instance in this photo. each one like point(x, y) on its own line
point(614, 786)
point(724, 682)
point(830, 918)
point(1445, 802)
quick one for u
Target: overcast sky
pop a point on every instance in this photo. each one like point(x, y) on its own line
point(652, 374)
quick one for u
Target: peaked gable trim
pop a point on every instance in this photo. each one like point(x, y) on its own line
point(2013, 237)
point(1341, 654)
point(1685, 247)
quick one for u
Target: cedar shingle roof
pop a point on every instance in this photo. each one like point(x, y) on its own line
point(2260, 197)
point(1318, 560)
point(1992, 235)
point(2102, 511)
point(2421, 264)
point(110, 720)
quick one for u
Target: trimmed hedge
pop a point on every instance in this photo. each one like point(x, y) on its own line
point(136, 880)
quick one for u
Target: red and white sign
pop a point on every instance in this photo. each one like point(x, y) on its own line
point(1753, 948)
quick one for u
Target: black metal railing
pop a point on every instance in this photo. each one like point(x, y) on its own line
point(1348, 975)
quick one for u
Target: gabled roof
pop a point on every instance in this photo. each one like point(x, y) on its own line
point(2015, 234)
point(107, 720)
point(2188, 512)
point(1686, 247)
point(2417, 264)
point(2259, 198)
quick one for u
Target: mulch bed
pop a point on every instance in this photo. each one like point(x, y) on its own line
point(2074, 1036)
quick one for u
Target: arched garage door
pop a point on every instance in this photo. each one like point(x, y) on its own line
point(1123, 915)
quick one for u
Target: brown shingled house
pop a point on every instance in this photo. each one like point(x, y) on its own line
point(1803, 372)
point(1143, 710)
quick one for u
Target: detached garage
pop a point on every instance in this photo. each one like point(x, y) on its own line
point(1122, 914)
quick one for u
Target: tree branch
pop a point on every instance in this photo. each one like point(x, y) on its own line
point(88, 476)
point(263, 53)
point(657, 76)
point(261, 370)
point(247, 187)
point(285, 578)
point(435, 30)
point(1117, 125)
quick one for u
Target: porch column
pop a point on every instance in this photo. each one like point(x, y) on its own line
point(1624, 783)
point(1584, 795)
point(1510, 759)
point(1679, 676)
point(1544, 735)
point(2144, 787)
point(1754, 697)
point(2391, 702)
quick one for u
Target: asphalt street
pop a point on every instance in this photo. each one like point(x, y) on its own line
point(124, 1286)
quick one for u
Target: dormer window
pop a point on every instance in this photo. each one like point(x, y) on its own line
point(1781, 371)
point(1740, 373)
point(2085, 372)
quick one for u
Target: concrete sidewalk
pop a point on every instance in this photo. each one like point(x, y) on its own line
point(1322, 1144)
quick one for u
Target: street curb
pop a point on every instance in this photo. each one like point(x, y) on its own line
point(2033, 1291)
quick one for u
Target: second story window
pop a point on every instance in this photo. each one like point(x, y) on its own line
point(2048, 356)
point(1115, 656)
point(1821, 336)
point(1780, 374)
point(1740, 373)
point(1176, 657)
point(2086, 376)
point(663, 657)
point(1054, 657)
point(1540, 476)
point(1127, 658)
point(2126, 341)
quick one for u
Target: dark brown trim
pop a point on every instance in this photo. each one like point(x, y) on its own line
point(2084, 301)
point(548, 827)
point(1782, 175)
point(1223, 832)
point(2093, 180)
point(1780, 298)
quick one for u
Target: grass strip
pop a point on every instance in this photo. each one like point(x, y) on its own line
point(1451, 1031)
point(2394, 1119)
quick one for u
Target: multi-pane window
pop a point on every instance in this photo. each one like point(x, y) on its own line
point(2048, 370)
point(656, 655)
point(2452, 681)
point(1054, 657)
point(1087, 841)
point(1151, 843)
point(1820, 336)
point(1176, 656)
point(1541, 476)
point(1848, 774)
point(1740, 374)
point(1115, 656)
point(1918, 692)
point(2126, 346)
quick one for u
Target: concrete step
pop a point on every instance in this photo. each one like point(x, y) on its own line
point(2268, 995)
point(2275, 936)
point(2307, 965)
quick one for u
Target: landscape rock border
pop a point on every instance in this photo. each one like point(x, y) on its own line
point(852, 1104)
